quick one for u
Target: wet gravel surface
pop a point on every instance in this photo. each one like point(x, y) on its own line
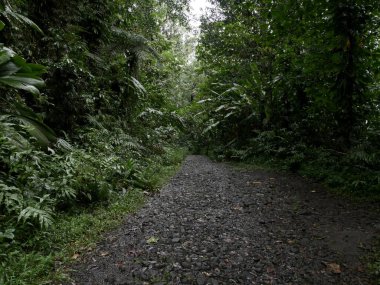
point(213, 224)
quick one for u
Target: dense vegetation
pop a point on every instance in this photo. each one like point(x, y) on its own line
point(95, 101)
point(294, 83)
point(87, 114)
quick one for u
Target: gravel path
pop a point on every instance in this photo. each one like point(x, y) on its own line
point(213, 224)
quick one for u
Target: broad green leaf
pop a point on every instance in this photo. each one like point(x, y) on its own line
point(19, 84)
point(8, 68)
point(4, 56)
point(27, 80)
point(37, 130)
point(34, 126)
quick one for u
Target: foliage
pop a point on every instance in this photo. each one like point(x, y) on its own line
point(89, 125)
point(76, 232)
point(374, 263)
point(16, 73)
point(35, 262)
point(293, 82)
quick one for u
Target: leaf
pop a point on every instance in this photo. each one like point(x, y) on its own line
point(8, 68)
point(152, 240)
point(104, 253)
point(150, 111)
point(138, 85)
point(220, 108)
point(204, 101)
point(17, 73)
point(211, 127)
point(21, 18)
point(229, 114)
point(75, 256)
point(38, 130)
point(334, 268)
point(6, 54)
point(27, 80)
point(8, 234)
point(19, 85)
point(135, 43)
point(2, 25)
point(65, 145)
point(44, 218)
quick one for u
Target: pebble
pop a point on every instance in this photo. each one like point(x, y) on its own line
point(207, 236)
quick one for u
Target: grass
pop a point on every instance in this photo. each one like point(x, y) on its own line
point(374, 263)
point(43, 258)
point(156, 175)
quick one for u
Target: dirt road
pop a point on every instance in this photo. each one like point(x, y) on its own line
point(213, 224)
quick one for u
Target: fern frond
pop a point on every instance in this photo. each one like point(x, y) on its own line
point(134, 42)
point(93, 121)
point(67, 193)
point(10, 197)
point(150, 111)
point(360, 155)
point(65, 145)
point(44, 217)
point(41, 212)
point(138, 86)
point(132, 145)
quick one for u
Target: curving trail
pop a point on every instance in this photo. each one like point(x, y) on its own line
point(213, 224)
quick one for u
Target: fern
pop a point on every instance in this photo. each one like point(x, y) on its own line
point(41, 212)
point(64, 145)
point(7, 234)
point(10, 198)
point(138, 86)
point(134, 42)
point(360, 156)
point(44, 217)
point(150, 112)
point(66, 193)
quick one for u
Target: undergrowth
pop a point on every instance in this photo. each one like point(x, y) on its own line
point(374, 263)
point(32, 261)
point(41, 257)
point(354, 174)
point(59, 199)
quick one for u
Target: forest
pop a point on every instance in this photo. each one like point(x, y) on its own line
point(102, 99)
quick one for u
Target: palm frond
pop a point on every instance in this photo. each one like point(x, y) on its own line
point(134, 42)
point(9, 13)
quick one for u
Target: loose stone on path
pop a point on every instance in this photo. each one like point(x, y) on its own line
point(213, 224)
